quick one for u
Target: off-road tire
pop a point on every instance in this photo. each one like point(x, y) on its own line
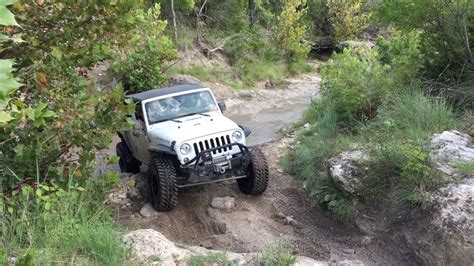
point(127, 163)
point(256, 181)
point(162, 183)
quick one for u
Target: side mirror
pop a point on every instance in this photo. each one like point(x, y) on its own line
point(222, 106)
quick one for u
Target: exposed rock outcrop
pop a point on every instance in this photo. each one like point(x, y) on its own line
point(449, 148)
point(148, 245)
point(442, 232)
point(345, 170)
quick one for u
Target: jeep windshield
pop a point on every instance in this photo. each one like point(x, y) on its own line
point(175, 107)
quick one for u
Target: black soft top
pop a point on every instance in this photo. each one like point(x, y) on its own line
point(164, 91)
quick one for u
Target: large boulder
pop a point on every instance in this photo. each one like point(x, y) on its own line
point(346, 170)
point(445, 236)
point(449, 148)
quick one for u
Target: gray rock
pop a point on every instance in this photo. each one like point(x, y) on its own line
point(448, 237)
point(224, 203)
point(345, 171)
point(184, 79)
point(448, 148)
point(148, 211)
point(147, 244)
point(133, 193)
point(290, 220)
point(355, 44)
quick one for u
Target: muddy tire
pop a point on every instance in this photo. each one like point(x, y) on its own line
point(162, 183)
point(127, 163)
point(256, 181)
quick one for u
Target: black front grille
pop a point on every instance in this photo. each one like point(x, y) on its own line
point(213, 143)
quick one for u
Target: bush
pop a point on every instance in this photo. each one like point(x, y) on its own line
point(402, 51)
point(356, 82)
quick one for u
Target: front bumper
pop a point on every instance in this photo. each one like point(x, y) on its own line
point(204, 168)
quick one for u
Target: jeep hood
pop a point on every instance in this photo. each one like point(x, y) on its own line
point(191, 127)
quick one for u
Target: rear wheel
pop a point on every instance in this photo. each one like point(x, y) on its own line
point(256, 181)
point(162, 183)
point(127, 163)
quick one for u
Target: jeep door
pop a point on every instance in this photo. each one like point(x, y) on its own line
point(138, 137)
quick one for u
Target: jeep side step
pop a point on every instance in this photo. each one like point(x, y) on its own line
point(212, 181)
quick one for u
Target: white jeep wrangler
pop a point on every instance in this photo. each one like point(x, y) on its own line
point(182, 136)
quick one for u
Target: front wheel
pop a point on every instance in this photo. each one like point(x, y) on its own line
point(256, 181)
point(162, 183)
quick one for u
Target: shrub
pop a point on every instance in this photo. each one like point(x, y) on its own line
point(356, 82)
point(402, 51)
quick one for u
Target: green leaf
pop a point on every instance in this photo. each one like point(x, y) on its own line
point(48, 113)
point(5, 117)
point(47, 205)
point(56, 53)
point(19, 149)
point(6, 16)
point(7, 83)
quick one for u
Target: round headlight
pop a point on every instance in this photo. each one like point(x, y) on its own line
point(237, 135)
point(185, 149)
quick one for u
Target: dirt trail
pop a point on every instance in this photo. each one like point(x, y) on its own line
point(254, 222)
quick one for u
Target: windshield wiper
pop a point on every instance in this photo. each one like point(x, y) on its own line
point(203, 114)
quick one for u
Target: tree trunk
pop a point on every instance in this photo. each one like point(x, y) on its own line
point(174, 21)
point(251, 12)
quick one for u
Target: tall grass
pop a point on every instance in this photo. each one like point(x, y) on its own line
point(398, 139)
point(277, 254)
point(50, 223)
point(309, 160)
point(415, 115)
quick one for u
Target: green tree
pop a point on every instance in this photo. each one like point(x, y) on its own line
point(290, 30)
point(348, 18)
point(60, 118)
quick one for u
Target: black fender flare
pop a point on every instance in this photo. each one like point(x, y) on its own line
point(247, 130)
point(160, 148)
